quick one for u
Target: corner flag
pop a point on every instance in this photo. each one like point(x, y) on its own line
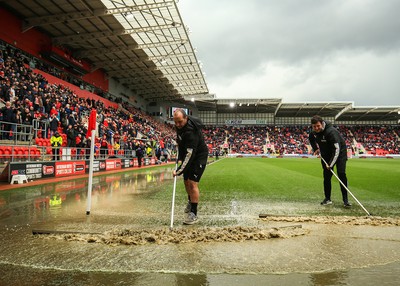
point(92, 122)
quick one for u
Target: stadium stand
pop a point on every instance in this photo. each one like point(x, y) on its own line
point(281, 140)
point(32, 98)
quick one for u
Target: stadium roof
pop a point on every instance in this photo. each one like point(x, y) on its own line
point(340, 111)
point(143, 44)
point(365, 113)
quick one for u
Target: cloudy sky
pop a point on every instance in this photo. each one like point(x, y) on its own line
point(298, 50)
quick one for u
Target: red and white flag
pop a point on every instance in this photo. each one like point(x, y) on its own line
point(92, 122)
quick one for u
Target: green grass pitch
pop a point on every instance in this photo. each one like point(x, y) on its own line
point(374, 182)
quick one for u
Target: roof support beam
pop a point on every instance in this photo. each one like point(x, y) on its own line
point(163, 57)
point(186, 80)
point(118, 62)
point(189, 65)
point(191, 86)
point(136, 77)
point(46, 20)
point(101, 51)
point(196, 74)
point(125, 71)
point(105, 34)
point(164, 98)
point(277, 109)
point(350, 106)
point(118, 49)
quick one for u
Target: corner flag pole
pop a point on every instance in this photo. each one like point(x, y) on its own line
point(89, 194)
point(92, 130)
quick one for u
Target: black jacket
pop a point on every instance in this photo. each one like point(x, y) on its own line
point(330, 143)
point(8, 115)
point(191, 144)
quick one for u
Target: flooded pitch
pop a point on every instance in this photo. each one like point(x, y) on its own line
point(127, 241)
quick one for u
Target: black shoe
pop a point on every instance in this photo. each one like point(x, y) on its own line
point(347, 204)
point(326, 202)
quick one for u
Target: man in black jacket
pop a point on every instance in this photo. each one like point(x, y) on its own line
point(9, 119)
point(192, 154)
point(327, 142)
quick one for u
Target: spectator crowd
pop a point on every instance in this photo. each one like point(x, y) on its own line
point(30, 100)
point(294, 139)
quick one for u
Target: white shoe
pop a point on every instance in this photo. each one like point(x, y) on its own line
point(190, 219)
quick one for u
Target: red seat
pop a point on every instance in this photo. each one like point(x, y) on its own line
point(1, 152)
point(15, 152)
point(37, 153)
point(32, 153)
point(7, 152)
point(25, 152)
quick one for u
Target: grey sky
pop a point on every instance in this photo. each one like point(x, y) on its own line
point(298, 50)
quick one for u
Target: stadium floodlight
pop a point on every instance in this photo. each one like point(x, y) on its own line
point(232, 104)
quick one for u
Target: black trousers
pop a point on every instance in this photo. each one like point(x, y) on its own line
point(341, 172)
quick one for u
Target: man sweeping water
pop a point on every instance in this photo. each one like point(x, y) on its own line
point(330, 144)
point(193, 153)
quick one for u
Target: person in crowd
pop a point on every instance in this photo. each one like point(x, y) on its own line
point(116, 147)
point(79, 144)
point(217, 153)
point(103, 146)
point(139, 154)
point(9, 120)
point(71, 136)
point(192, 156)
point(56, 142)
point(158, 154)
point(87, 148)
point(53, 124)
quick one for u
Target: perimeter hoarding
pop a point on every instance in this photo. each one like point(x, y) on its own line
point(52, 169)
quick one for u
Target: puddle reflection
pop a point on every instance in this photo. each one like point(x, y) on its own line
point(44, 202)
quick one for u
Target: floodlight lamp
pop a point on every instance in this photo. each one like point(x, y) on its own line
point(192, 99)
point(232, 104)
point(240, 104)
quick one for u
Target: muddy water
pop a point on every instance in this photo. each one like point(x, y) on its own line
point(321, 251)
